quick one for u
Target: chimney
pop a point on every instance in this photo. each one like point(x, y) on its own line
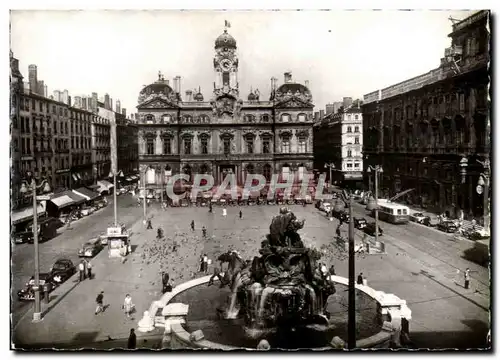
point(65, 96)
point(347, 101)
point(316, 116)
point(329, 108)
point(78, 102)
point(167, 82)
point(84, 103)
point(111, 104)
point(321, 114)
point(288, 77)
point(40, 88)
point(179, 84)
point(118, 107)
point(33, 78)
point(45, 91)
point(106, 101)
point(69, 100)
point(189, 95)
point(306, 83)
point(124, 112)
point(93, 105)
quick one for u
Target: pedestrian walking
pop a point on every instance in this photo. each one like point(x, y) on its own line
point(338, 230)
point(467, 278)
point(205, 263)
point(89, 270)
point(241, 214)
point(132, 340)
point(165, 277)
point(81, 269)
point(99, 301)
point(192, 225)
point(324, 270)
point(128, 306)
point(224, 212)
point(360, 279)
point(150, 226)
point(204, 232)
point(216, 274)
point(210, 209)
point(201, 264)
point(332, 270)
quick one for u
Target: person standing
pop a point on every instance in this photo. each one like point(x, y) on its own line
point(360, 279)
point(332, 270)
point(224, 212)
point(205, 263)
point(150, 226)
point(204, 232)
point(132, 340)
point(192, 225)
point(89, 270)
point(99, 301)
point(165, 277)
point(210, 209)
point(127, 305)
point(201, 264)
point(241, 214)
point(466, 278)
point(81, 269)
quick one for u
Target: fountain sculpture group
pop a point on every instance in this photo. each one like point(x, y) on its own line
point(284, 287)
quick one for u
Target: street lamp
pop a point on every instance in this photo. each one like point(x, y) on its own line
point(331, 167)
point(376, 169)
point(26, 188)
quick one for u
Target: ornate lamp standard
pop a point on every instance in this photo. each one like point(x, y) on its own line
point(26, 188)
point(483, 186)
point(331, 167)
point(373, 203)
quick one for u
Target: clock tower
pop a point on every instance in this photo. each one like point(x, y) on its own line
point(226, 66)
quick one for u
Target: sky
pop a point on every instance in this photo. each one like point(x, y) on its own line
point(340, 53)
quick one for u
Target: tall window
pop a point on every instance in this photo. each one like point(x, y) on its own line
point(225, 78)
point(356, 140)
point(167, 146)
point(285, 144)
point(266, 145)
point(356, 128)
point(285, 172)
point(227, 145)
point(150, 146)
point(249, 144)
point(267, 172)
point(302, 170)
point(349, 129)
point(150, 176)
point(302, 144)
point(187, 146)
point(349, 153)
point(204, 145)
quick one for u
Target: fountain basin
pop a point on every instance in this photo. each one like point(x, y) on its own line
point(222, 334)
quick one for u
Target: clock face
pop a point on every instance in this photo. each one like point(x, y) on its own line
point(225, 64)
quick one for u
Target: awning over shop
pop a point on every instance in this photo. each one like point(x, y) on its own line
point(86, 193)
point(104, 185)
point(67, 198)
point(19, 216)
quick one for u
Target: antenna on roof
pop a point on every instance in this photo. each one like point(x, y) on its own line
point(453, 20)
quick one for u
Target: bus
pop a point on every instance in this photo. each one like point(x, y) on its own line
point(392, 212)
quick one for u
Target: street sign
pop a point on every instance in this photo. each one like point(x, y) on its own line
point(43, 198)
point(479, 189)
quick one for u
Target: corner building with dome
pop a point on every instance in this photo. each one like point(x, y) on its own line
point(223, 133)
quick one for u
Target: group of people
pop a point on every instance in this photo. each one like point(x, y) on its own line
point(85, 269)
point(204, 262)
point(128, 306)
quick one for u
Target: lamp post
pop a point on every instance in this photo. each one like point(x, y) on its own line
point(484, 184)
point(376, 169)
point(37, 316)
point(331, 167)
point(145, 197)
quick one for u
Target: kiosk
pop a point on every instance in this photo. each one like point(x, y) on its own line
point(118, 241)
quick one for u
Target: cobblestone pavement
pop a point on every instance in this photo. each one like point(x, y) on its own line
point(419, 267)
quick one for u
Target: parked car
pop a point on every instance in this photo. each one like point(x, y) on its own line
point(91, 248)
point(360, 223)
point(64, 268)
point(27, 293)
point(418, 217)
point(87, 211)
point(370, 229)
point(448, 226)
point(47, 229)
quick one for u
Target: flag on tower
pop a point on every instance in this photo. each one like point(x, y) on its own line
point(228, 24)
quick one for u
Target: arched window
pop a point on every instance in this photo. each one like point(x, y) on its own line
point(150, 119)
point(285, 143)
point(356, 129)
point(285, 118)
point(302, 117)
point(265, 118)
point(249, 142)
point(302, 144)
point(349, 129)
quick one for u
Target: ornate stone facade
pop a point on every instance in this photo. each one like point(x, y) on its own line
point(226, 133)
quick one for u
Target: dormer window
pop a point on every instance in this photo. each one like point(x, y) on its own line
point(285, 118)
point(150, 119)
point(302, 117)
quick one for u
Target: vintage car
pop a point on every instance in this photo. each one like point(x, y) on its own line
point(418, 217)
point(325, 206)
point(27, 294)
point(91, 248)
point(86, 211)
point(448, 226)
point(47, 229)
point(360, 223)
point(63, 268)
point(370, 229)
